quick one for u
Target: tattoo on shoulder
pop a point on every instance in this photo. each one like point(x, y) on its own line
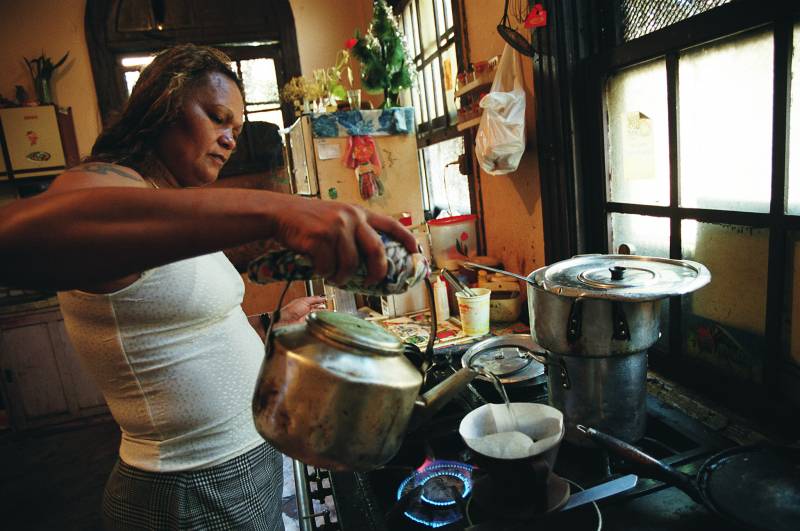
point(104, 168)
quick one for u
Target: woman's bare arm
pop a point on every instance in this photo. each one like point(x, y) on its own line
point(86, 236)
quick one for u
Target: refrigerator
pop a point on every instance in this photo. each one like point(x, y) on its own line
point(321, 154)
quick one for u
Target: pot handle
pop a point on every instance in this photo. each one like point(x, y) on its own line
point(619, 326)
point(575, 321)
point(645, 464)
point(566, 383)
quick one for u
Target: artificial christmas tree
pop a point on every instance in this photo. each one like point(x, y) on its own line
point(383, 56)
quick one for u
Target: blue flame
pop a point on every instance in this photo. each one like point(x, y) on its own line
point(462, 471)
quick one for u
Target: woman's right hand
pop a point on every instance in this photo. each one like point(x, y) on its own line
point(337, 236)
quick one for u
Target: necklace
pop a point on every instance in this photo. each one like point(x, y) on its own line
point(151, 181)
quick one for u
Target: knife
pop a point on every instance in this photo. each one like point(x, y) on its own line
point(603, 490)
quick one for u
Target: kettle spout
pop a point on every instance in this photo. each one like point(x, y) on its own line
point(429, 403)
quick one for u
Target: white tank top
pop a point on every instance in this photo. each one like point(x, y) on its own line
point(176, 360)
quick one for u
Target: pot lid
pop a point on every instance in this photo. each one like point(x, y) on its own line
point(353, 331)
point(507, 357)
point(622, 277)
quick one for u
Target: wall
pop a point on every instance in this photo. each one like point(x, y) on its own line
point(27, 29)
point(512, 208)
point(322, 29)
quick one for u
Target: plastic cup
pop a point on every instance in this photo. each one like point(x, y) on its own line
point(474, 311)
point(354, 99)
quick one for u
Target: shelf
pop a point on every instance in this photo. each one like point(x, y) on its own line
point(482, 81)
point(472, 122)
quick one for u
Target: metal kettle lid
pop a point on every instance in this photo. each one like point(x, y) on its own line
point(622, 277)
point(507, 357)
point(353, 331)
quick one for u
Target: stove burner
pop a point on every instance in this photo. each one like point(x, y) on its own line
point(428, 493)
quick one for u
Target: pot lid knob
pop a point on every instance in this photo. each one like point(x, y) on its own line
point(617, 272)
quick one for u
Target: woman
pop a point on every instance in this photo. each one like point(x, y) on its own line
point(156, 319)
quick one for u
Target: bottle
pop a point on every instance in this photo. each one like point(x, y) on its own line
point(440, 299)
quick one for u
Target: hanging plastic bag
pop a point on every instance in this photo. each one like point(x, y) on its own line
point(500, 141)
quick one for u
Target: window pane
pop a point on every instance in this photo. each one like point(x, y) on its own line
point(415, 25)
point(644, 235)
point(408, 30)
point(276, 117)
point(449, 187)
point(448, 14)
point(793, 204)
point(724, 321)
point(429, 97)
point(427, 27)
point(131, 78)
point(265, 113)
point(440, 22)
point(437, 86)
point(139, 61)
point(416, 103)
point(725, 124)
point(638, 135)
point(260, 81)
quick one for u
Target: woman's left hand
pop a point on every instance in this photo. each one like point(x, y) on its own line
point(297, 310)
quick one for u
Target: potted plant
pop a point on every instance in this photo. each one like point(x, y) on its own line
point(42, 69)
point(383, 56)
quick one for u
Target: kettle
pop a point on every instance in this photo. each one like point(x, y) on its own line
point(336, 392)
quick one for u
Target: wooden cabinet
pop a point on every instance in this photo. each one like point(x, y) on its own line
point(42, 380)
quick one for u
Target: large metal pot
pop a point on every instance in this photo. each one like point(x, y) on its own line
point(597, 315)
point(338, 393)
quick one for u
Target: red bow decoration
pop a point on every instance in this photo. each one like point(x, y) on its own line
point(537, 17)
point(361, 150)
point(362, 155)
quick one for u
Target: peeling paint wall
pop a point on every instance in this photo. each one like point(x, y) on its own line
point(512, 209)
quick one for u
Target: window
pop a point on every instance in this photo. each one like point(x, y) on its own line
point(432, 40)
point(692, 141)
point(258, 74)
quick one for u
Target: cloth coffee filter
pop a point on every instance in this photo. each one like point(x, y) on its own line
point(489, 430)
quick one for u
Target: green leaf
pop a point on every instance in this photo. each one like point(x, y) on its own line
point(61, 61)
point(338, 92)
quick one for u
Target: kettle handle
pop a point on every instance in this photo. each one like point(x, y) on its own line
point(434, 329)
point(269, 335)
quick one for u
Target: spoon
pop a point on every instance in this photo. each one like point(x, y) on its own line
point(471, 265)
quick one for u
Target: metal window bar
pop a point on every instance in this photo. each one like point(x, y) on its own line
point(642, 17)
point(424, 84)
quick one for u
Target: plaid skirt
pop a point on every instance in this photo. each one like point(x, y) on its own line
point(243, 493)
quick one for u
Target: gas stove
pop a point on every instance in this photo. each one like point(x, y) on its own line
point(428, 485)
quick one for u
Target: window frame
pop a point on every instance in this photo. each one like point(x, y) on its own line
point(237, 53)
point(443, 128)
point(598, 45)
point(105, 45)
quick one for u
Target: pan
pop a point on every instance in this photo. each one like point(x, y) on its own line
point(753, 487)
